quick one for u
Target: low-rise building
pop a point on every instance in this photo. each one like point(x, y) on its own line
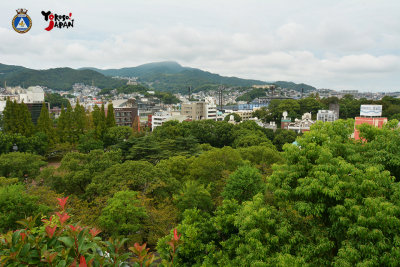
point(326, 115)
point(303, 125)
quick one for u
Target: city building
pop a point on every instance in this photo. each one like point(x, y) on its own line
point(374, 121)
point(34, 94)
point(271, 125)
point(326, 115)
point(370, 114)
point(285, 121)
point(125, 112)
point(200, 110)
point(303, 125)
point(160, 117)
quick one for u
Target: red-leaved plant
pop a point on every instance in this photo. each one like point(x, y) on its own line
point(59, 243)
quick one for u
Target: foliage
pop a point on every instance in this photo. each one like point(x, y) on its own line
point(17, 119)
point(243, 184)
point(236, 117)
point(59, 243)
point(55, 100)
point(20, 165)
point(194, 195)
point(123, 214)
point(59, 78)
point(16, 204)
point(251, 95)
point(282, 137)
point(45, 124)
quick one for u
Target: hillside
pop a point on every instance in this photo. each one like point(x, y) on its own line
point(58, 78)
point(165, 76)
point(295, 86)
point(172, 77)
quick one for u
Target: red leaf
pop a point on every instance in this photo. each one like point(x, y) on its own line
point(75, 228)
point(94, 232)
point(50, 230)
point(176, 237)
point(63, 217)
point(62, 202)
point(23, 235)
point(82, 261)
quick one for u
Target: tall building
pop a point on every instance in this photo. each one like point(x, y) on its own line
point(200, 110)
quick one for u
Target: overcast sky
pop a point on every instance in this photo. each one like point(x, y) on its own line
point(328, 44)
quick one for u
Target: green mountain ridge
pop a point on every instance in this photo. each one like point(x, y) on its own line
point(57, 78)
point(167, 76)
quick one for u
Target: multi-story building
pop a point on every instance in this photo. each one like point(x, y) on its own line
point(326, 115)
point(34, 94)
point(160, 117)
point(200, 110)
point(125, 112)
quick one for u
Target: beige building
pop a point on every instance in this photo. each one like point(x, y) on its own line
point(201, 110)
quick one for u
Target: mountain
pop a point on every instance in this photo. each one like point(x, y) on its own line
point(58, 78)
point(172, 77)
point(295, 86)
point(165, 76)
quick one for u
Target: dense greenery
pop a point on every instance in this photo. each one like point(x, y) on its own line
point(58, 78)
point(294, 86)
point(252, 94)
point(239, 195)
point(56, 100)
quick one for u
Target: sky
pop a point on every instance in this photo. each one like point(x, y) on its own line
point(341, 44)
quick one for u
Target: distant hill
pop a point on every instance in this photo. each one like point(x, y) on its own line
point(172, 77)
point(58, 78)
point(165, 76)
point(295, 86)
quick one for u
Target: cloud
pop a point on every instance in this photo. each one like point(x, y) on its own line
point(337, 45)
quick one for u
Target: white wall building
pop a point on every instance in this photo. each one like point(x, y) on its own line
point(34, 94)
point(326, 115)
point(160, 117)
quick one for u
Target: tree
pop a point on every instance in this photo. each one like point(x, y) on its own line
point(236, 117)
point(243, 184)
point(17, 118)
point(99, 121)
point(16, 204)
point(123, 214)
point(20, 165)
point(25, 120)
point(110, 121)
point(194, 195)
point(88, 142)
point(283, 136)
point(80, 124)
point(117, 134)
point(62, 125)
point(45, 124)
point(133, 175)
